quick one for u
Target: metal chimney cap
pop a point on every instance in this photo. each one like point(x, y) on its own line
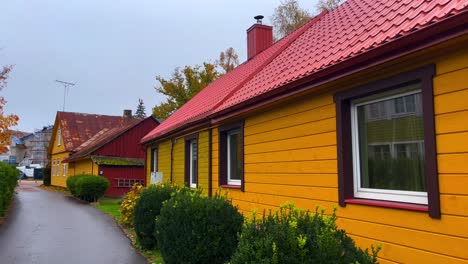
point(259, 19)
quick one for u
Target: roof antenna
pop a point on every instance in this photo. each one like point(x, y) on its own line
point(259, 19)
point(66, 87)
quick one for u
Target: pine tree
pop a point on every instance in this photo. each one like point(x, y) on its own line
point(140, 111)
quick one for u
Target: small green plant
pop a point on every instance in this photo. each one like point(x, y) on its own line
point(91, 187)
point(8, 182)
point(291, 235)
point(193, 228)
point(147, 207)
point(128, 204)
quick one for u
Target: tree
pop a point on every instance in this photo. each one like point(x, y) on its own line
point(328, 5)
point(5, 121)
point(182, 86)
point(140, 111)
point(228, 60)
point(288, 16)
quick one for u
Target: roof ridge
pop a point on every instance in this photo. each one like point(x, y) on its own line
point(298, 32)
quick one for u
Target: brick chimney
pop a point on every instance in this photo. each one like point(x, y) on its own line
point(259, 38)
point(127, 113)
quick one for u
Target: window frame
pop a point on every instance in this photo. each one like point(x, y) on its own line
point(59, 137)
point(154, 159)
point(343, 102)
point(191, 179)
point(223, 157)
point(374, 193)
point(64, 169)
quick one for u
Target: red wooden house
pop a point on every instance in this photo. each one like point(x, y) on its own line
point(115, 153)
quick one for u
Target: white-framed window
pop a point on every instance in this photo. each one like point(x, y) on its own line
point(234, 161)
point(388, 155)
point(154, 159)
point(64, 168)
point(59, 137)
point(193, 166)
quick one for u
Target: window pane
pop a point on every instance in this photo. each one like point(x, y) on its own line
point(391, 150)
point(234, 151)
point(193, 165)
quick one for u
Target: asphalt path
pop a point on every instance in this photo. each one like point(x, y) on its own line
point(47, 227)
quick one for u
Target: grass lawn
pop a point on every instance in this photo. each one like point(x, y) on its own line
point(111, 206)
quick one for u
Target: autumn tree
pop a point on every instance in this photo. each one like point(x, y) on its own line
point(140, 111)
point(6, 121)
point(186, 83)
point(288, 16)
point(328, 5)
point(182, 86)
point(228, 60)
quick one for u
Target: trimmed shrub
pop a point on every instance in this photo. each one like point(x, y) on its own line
point(146, 209)
point(71, 183)
point(127, 206)
point(46, 176)
point(197, 229)
point(91, 187)
point(8, 181)
point(291, 235)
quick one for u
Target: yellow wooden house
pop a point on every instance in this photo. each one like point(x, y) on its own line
point(363, 108)
point(72, 130)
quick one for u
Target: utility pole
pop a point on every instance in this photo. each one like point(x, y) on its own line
point(66, 87)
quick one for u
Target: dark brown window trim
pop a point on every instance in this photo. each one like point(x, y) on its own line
point(188, 139)
point(343, 124)
point(222, 157)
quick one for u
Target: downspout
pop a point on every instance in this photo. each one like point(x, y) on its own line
point(172, 158)
point(210, 172)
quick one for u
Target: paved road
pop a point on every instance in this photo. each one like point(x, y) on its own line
point(49, 228)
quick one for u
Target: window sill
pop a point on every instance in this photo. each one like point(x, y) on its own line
point(388, 204)
point(226, 186)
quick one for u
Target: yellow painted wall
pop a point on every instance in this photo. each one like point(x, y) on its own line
point(164, 161)
point(85, 166)
point(58, 154)
point(203, 156)
point(290, 155)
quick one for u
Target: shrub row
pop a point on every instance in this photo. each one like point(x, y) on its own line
point(189, 227)
point(87, 187)
point(8, 181)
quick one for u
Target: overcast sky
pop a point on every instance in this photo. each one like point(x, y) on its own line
point(112, 50)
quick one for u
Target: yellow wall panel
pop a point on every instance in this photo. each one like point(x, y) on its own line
point(452, 81)
point(447, 123)
point(451, 102)
point(452, 143)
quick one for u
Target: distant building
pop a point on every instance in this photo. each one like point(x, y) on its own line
point(28, 148)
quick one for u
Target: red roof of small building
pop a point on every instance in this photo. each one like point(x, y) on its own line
point(355, 28)
point(77, 128)
point(103, 137)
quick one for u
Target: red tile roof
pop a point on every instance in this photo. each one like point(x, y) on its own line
point(354, 28)
point(77, 128)
point(101, 138)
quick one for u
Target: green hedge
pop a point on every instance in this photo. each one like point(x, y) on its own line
point(8, 182)
point(71, 183)
point(193, 228)
point(87, 187)
point(146, 209)
point(294, 236)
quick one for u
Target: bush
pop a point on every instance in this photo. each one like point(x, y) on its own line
point(146, 209)
point(91, 187)
point(196, 229)
point(71, 183)
point(127, 206)
point(294, 236)
point(46, 176)
point(8, 181)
